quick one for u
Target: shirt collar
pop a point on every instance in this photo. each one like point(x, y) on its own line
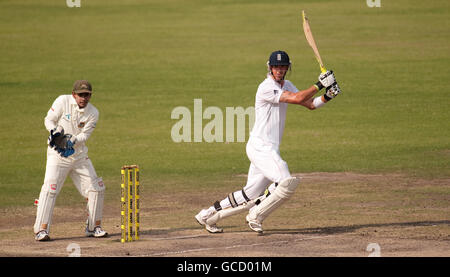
point(269, 76)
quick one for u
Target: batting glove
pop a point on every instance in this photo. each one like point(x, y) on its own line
point(332, 91)
point(327, 79)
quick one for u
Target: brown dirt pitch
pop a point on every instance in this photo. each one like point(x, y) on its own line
point(331, 214)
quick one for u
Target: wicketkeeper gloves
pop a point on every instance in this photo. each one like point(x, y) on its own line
point(62, 143)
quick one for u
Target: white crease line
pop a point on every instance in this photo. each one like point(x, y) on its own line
point(234, 246)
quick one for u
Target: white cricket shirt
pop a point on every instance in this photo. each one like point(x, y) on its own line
point(270, 114)
point(75, 121)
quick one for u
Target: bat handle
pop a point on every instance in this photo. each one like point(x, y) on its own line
point(323, 69)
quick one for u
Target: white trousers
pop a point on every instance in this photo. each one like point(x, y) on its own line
point(85, 179)
point(266, 168)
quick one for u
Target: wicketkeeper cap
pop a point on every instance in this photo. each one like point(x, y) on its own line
point(279, 58)
point(82, 86)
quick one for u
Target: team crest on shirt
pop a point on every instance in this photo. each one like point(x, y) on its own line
point(81, 125)
point(275, 91)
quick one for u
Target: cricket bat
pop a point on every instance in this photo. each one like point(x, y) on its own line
point(311, 42)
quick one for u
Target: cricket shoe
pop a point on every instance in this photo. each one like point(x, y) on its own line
point(201, 218)
point(97, 233)
point(42, 236)
point(254, 225)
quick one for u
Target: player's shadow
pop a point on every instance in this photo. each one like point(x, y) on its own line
point(352, 228)
point(155, 233)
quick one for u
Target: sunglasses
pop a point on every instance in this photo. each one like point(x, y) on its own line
point(84, 94)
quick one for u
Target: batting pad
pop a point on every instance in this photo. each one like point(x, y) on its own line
point(282, 192)
point(232, 211)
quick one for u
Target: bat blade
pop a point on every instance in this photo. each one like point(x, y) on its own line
point(311, 41)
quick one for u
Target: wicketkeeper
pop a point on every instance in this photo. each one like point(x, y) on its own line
point(269, 183)
point(71, 121)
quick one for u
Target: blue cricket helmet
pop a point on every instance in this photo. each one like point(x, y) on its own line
point(279, 58)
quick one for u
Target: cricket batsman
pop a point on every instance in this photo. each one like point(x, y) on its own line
point(71, 121)
point(269, 182)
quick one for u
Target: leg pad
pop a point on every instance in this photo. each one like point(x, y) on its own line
point(283, 191)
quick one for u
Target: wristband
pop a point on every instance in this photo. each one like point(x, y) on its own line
point(319, 86)
point(318, 102)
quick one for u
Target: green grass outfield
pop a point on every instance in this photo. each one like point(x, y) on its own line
point(144, 58)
